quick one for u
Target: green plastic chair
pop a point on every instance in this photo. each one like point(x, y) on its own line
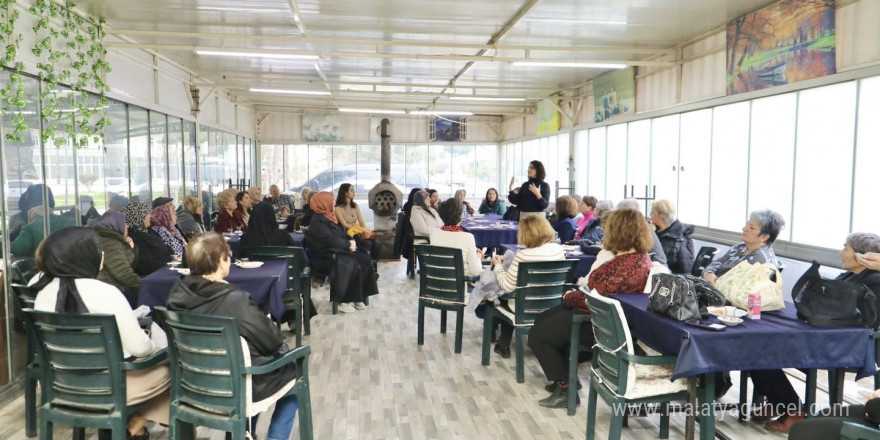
point(574, 350)
point(441, 286)
point(299, 282)
point(210, 376)
point(84, 372)
point(620, 376)
point(539, 286)
point(855, 431)
point(24, 299)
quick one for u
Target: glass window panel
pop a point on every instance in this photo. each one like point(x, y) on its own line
point(345, 168)
point(440, 169)
point(771, 157)
point(116, 180)
point(90, 167)
point(175, 160)
point(190, 158)
point(320, 167)
point(693, 183)
point(417, 170)
point(487, 172)
point(824, 165)
point(272, 166)
point(581, 161)
point(296, 166)
point(664, 158)
point(616, 160)
point(159, 154)
point(226, 154)
point(596, 171)
point(562, 153)
point(730, 147)
point(463, 172)
point(60, 159)
point(866, 210)
point(638, 163)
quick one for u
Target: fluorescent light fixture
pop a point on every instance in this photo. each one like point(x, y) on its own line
point(372, 110)
point(225, 53)
point(291, 92)
point(440, 113)
point(575, 21)
point(239, 9)
point(568, 64)
point(485, 98)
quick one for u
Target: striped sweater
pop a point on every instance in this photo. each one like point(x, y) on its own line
point(545, 252)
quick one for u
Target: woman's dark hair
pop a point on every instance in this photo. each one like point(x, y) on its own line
point(566, 207)
point(340, 196)
point(591, 201)
point(204, 252)
point(238, 197)
point(490, 203)
point(540, 173)
point(450, 212)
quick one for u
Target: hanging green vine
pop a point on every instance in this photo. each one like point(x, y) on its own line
point(12, 101)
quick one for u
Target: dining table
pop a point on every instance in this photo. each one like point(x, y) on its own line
point(266, 285)
point(490, 230)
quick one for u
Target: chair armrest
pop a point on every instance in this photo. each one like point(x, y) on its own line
point(855, 431)
point(422, 237)
point(150, 361)
point(649, 360)
point(281, 360)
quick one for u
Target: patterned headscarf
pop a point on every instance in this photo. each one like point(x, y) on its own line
point(322, 203)
point(160, 217)
point(134, 215)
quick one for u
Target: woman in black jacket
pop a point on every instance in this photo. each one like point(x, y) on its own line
point(354, 280)
point(152, 251)
point(675, 237)
point(206, 291)
point(263, 229)
point(534, 194)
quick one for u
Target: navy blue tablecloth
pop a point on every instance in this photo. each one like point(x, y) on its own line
point(585, 261)
point(777, 340)
point(487, 235)
point(235, 243)
point(266, 284)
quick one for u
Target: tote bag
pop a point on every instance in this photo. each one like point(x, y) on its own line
point(746, 278)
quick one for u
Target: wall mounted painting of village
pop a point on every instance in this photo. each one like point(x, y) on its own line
point(447, 129)
point(785, 42)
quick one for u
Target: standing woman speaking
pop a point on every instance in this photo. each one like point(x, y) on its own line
point(534, 194)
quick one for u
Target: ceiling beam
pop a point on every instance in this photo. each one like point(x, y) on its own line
point(230, 81)
point(416, 57)
point(635, 50)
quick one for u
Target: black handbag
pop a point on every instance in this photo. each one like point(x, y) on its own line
point(707, 294)
point(673, 296)
point(833, 303)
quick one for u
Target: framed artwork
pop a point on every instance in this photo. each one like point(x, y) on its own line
point(548, 117)
point(447, 128)
point(322, 128)
point(614, 94)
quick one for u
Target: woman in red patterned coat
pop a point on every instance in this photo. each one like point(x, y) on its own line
point(629, 238)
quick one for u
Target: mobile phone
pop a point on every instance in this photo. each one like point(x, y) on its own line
point(706, 325)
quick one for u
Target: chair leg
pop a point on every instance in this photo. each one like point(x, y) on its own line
point(573, 368)
point(46, 431)
point(304, 403)
point(835, 386)
point(420, 338)
point(664, 420)
point(487, 333)
point(616, 428)
point(591, 412)
point(520, 361)
point(78, 433)
point(180, 430)
point(367, 301)
point(443, 321)
point(459, 323)
point(307, 305)
point(743, 396)
point(335, 306)
point(298, 327)
point(30, 404)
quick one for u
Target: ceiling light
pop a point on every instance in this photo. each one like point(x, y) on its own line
point(291, 92)
point(568, 64)
point(225, 53)
point(564, 20)
point(239, 9)
point(369, 110)
point(440, 113)
point(485, 98)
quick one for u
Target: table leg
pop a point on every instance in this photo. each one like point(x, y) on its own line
point(706, 408)
point(690, 421)
point(810, 401)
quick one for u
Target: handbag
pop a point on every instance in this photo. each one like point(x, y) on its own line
point(833, 303)
point(746, 278)
point(707, 294)
point(673, 296)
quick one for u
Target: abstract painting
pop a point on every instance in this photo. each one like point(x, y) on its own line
point(548, 117)
point(614, 94)
point(322, 128)
point(785, 42)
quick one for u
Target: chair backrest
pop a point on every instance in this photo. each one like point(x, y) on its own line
point(205, 355)
point(704, 258)
point(612, 337)
point(24, 299)
point(441, 276)
point(83, 353)
point(540, 286)
point(296, 261)
point(23, 270)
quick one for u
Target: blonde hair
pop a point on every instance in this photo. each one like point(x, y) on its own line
point(665, 209)
point(191, 204)
point(223, 198)
point(534, 231)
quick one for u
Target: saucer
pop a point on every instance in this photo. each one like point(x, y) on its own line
point(728, 321)
point(248, 264)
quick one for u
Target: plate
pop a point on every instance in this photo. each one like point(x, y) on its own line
point(719, 312)
point(182, 271)
point(248, 264)
point(570, 247)
point(728, 321)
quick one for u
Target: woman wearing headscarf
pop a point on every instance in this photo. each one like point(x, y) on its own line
point(263, 229)
point(119, 255)
point(70, 260)
point(152, 252)
point(162, 220)
point(423, 218)
point(353, 282)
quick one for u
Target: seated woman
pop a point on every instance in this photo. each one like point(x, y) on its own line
point(119, 255)
point(565, 226)
point(307, 212)
point(826, 426)
point(492, 204)
point(629, 238)
point(70, 259)
point(451, 235)
point(263, 229)
point(162, 221)
point(229, 217)
point(434, 198)
point(31, 234)
point(243, 204)
point(594, 232)
point(423, 218)
point(348, 213)
point(152, 252)
point(189, 217)
point(675, 237)
point(758, 235)
point(461, 196)
point(587, 207)
point(205, 290)
point(535, 236)
point(354, 282)
point(782, 399)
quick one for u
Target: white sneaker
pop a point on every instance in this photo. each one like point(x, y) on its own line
point(346, 308)
point(360, 306)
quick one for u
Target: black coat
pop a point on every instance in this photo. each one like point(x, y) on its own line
point(353, 273)
point(678, 246)
point(526, 201)
point(152, 252)
point(198, 294)
point(871, 280)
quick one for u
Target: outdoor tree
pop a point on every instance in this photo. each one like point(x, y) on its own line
point(88, 179)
